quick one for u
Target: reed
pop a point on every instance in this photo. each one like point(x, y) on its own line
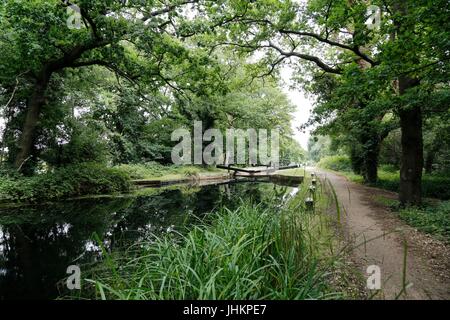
point(255, 252)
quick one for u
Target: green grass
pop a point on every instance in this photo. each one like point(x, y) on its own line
point(337, 163)
point(292, 172)
point(432, 219)
point(254, 252)
point(155, 171)
point(433, 186)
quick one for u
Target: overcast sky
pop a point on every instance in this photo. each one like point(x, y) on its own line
point(303, 106)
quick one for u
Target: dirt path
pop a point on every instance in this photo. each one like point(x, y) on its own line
point(427, 260)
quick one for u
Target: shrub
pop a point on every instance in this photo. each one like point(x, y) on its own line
point(337, 163)
point(432, 219)
point(141, 171)
point(388, 168)
point(85, 145)
point(65, 182)
point(249, 253)
point(154, 170)
point(432, 186)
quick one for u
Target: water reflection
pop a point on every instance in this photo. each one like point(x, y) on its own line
point(38, 243)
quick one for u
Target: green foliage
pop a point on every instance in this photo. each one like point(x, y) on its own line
point(249, 253)
point(83, 145)
point(152, 170)
point(65, 182)
point(319, 146)
point(433, 186)
point(389, 168)
point(337, 163)
point(390, 150)
point(433, 219)
point(291, 151)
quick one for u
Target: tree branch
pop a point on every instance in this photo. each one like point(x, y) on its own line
point(167, 9)
point(307, 57)
point(354, 49)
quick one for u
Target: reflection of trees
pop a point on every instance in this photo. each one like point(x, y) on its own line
point(257, 193)
point(39, 243)
point(37, 250)
point(148, 216)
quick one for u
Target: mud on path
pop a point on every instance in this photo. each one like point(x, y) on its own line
point(379, 238)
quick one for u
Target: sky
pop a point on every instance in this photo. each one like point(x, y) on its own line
point(303, 106)
point(301, 115)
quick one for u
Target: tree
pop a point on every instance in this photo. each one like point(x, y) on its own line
point(38, 45)
point(358, 115)
point(332, 36)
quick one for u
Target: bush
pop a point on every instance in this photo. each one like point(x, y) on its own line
point(142, 171)
point(388, 168)
point(85, 145)
point(432, 186)
point(433, 219)
point(151, 170)
point(337, 163)
point(249, 253)
point(65, 182)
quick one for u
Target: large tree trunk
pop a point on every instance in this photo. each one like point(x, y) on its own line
point(371, 164)
point(33, 111)
point(410, 192)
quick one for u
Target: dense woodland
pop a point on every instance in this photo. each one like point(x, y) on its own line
point(92, 90)
point(111, 91)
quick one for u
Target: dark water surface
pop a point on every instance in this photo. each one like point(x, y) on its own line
point(38, 243)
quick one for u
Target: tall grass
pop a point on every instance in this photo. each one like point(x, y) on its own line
point(254, 252)
point(154, 170)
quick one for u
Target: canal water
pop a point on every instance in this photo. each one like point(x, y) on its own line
point(38, 243)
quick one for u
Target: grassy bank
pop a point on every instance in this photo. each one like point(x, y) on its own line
point(433, 217)
point(299, 172)
point(254, 252)
point(433, 186)
point(155, 171)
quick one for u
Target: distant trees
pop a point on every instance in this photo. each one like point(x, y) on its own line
point(369, 80)
point(114, 89)
point(400, 63)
